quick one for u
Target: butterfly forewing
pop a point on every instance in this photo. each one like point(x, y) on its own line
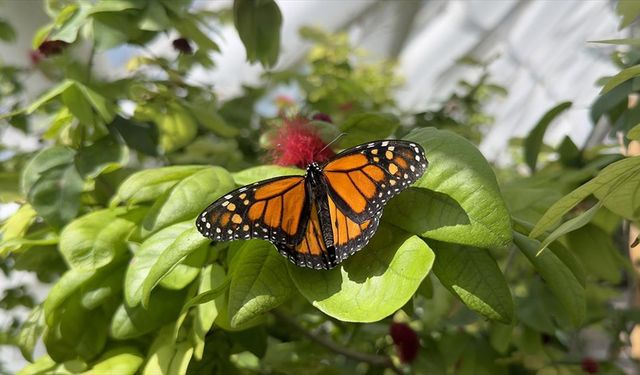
point(362, 179)
point(273, 210)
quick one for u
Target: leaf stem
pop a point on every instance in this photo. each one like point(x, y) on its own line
point(372, 359)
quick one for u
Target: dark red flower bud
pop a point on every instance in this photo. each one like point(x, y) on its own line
point(322, 117)
point(589, 365)
point(298, 143)
point(406, 341)
point(52, 47)
point(182, 45)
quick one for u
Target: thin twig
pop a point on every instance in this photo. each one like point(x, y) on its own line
point(372, 359)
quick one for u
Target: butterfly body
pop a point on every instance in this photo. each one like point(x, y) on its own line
point(319, 219)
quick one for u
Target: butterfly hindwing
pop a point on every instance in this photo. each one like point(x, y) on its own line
point(273, 210)
point(362, 179)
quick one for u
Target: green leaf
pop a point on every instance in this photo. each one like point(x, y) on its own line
point(150, 184)
point(263, 172)
point(163, 307)
point(9, 187)
point(258, 24)
point(558, 276)
point(373, 283)
point(140, 136)
point(629, 10)
point(145, 257)
point(99, 103)
point(56, 194)
point(186, 242)
point(259, 281)
point(96, 239)
point(176, 126)
point(187, 270)
point(168, 357)
point(616, 186)
point(74, 17)
point(78, 105)
point(210, 294)
point(52, 93)
point(207, 115)
point(7, 32)
point(596, 251)
point(43, 161)
point(634, 133)
point(620, 78)
point(474, 276)
point(533, 142)
point(45, 365)
point(462, 202)
point(363, 127)
point(570, 226)
point(623, 42)
point(103, 156)
point(188, 198)
point(213, 282)
point(30, 332)
point(16, 226)
point(123, 360)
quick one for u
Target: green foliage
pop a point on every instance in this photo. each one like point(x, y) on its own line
point(107, 208)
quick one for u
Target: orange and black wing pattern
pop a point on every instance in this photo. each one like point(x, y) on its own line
point(362, 179)
point(274, 210)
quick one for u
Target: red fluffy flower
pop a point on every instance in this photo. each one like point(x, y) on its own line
point(589, 365)
point(406, 341)
point(298, 143)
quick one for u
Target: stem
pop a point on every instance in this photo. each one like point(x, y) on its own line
point(372, 359)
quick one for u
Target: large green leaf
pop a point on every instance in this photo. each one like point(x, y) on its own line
point(177, 128)
point(166, 356)
point(123, 360)
point(533, 142)
point(207, 115)
point(103, 156)
point(616, 186)
point(186, 241)
point(56, 194)
point(620, 78)
point(259, 281)
point(150, 184)
point(94, 240)
point(187, 270)
point(597, 252)
point(474, 276)
point(373, 283)
point(43, 161)
point(258, 24)
point(462, 202)
point(363, 127)
point(570, 226)
point(163, 307)
point(167, 249)
point(188, 198)
point(212, 278)
point(30, 332)
point(558, 276)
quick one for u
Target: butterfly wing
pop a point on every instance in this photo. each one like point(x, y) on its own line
point(273, 210)
point(362, 179)
point(348, 237)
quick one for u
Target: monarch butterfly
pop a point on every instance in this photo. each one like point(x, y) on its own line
point(319, 219)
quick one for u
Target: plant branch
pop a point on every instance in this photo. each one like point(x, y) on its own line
point(372, 359)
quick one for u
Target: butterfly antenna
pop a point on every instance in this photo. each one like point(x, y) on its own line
point(332, 142)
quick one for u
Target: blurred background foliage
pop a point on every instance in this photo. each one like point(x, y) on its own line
point(106, 206)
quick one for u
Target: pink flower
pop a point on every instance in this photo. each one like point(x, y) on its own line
point(52, 47)
point(298, 143)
